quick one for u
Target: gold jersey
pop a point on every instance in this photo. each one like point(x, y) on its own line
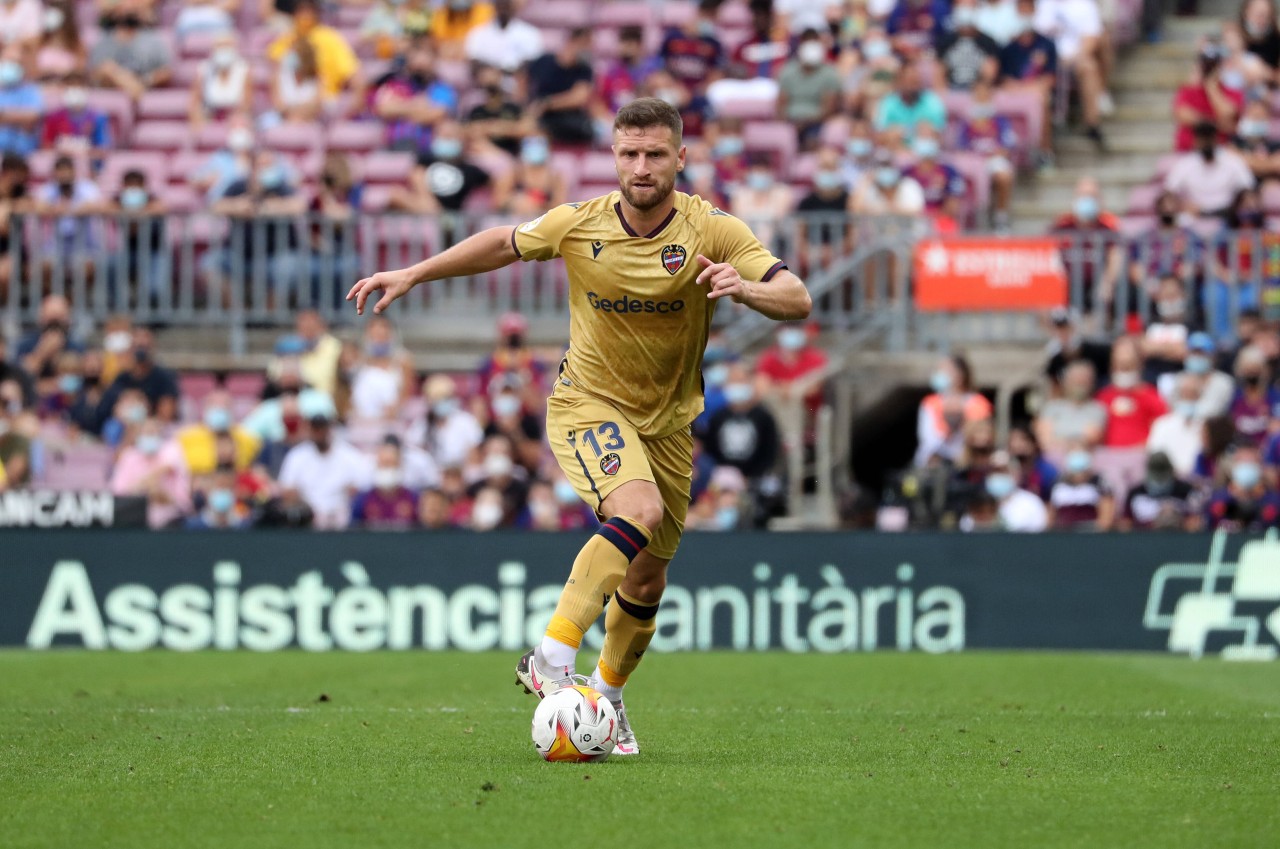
point(638, 321)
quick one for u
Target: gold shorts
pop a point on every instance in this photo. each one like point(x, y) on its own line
point(599, 451)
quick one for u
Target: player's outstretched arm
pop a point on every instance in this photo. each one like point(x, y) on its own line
point(485, 251)
point(783, 298)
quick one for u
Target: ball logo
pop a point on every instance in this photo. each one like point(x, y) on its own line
point(673, 257)
point(610, 464)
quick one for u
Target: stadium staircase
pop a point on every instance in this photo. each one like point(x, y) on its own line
point(1138, 134)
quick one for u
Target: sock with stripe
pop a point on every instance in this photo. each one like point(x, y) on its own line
point(628, 627)
point(597, 572)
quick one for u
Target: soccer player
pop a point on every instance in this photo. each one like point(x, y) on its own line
point(646, 266)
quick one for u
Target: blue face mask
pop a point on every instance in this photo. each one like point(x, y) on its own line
point(271, 178)
point(738, 393)
point(1246, 475)
point(940, 381)
point(1086, 208)
point(999, 485)
point(1197, 364)
point(217, 419)
point(716, 375)
point(729, 146)
point(859, 148)
point(70, 383)
point(791, 339)
point(133, 198)
point(565, 493)
point(886, 177)
point(926, 148)
point(827, 181)
point(759, 181)
point(1186, 409)
point(726, 518)
point(10, 73)
point(534, 152)
point(1078, 462)
point(149, 444)
point(446, 148)
point(874, 50)
point(221, 500)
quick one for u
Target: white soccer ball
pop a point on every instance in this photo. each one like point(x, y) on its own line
point(576, 724)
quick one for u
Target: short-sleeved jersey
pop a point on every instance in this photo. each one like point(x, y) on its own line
point(638, 319)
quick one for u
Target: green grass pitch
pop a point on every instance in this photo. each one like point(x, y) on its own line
point(738, 750)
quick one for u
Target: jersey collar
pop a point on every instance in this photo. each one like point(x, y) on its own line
point(617, 207)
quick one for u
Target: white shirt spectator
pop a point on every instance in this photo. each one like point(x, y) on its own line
point(1023, 512)
point(1209, 186)
point(1178, 436)
point(805, 14)
point(375, 391)
point(507, 48)
point(202, 18)
point(327, 480)
point(21, 21)
point(1068, 23)
point(450, 440)
point(1215, 397)
point(999, 20)
point(907, 198)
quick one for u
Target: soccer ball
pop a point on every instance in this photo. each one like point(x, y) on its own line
point(576, 724)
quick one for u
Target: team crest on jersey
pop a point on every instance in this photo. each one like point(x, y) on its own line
point(610, 463)
point(673, 257)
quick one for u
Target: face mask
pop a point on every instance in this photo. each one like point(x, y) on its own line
point(1086, 208)
point(486, 515)
point(827, 181)
point(1124, 379)
point(272, 178)
point(759, 181)
point(940, 381)
point(999, 485)
point(961, 18)
point(497, 466)
point(378, 350)
point(729, 146)
point(445, 407)
point(738, 393)
point(1197, 364)
point(1077, 393)
point(222, 500)
point(707, 29)
point(53, 19)
point(669, 96)
point(859, 148)
point(1246, 475)
point(811, 54)
point(10, 73)
point(982, 111)
point(1078, 461)
point(133, 198)
point(1256, 30)
point(75, 98)
point(886, 177)
point(386, 478)
point(1169, 309)
point(874, 50)
point(1251, 128)
point(446, 148)
point(70, 383)
point(240, 139)
point(290, 61)
point(217, 419)
point(565, 493)
point(535, 151)
point(149, 444)
point(505, 406)
point(1186, 409)
point(1232, 79)
point(716, 375)
point(699, 172)
point(926, 148)
point(726, 518)
point(791, 339)
point(118, 342)
point(224, 57)
point(137, 414)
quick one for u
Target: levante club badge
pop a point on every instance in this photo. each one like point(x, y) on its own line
point(610, 463)
point(673, 257)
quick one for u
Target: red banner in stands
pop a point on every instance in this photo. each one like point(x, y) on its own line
point(989, 274)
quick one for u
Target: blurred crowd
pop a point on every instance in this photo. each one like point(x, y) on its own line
point(343, 432)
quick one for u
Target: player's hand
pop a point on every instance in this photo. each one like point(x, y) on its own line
point(722, 279)
point(393, 284)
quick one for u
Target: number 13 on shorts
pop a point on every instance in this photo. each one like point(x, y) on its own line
point(597, 449)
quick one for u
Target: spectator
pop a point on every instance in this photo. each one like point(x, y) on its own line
point(37, 352)
point(1029, 62)
point(621, 81)
point(382, 31)
point(66, 398)
point(199, 441)
point(763, 201)
point(318, 360)
point(944, 412)
point(450, 432)
point(1080, 499)
point(1163, 501)
point(509, 420)
point(388, 505)
point(1256, 406)
point(887, 191)
point(222, 510)
point(808, 89)
point(1082, 45)
point(1091, 245)
point(141, 372)
point(150, 467)
point(324, 473)
point(1035, 473)
point(1247, 502)
point(21, 21)
point(75, 127)
point(296, 93)
point(499, 473)
point(728, 149)
point(691, 52)
point(512, 362)
point(61, 53)
point(1169, 248)
point(1075, 418)
point(541, 511)
point(1257, 24)
point(434, 510)
point(766, 49)
point(414, 102)
point(1179, 433)
point(384, 378)
point(1004, 20)
point(701, 176)
point(205, 17)
point(1164, 345)
point(1243, 261)
point(909, 106)
point(1217, 390)
point(945, 190)
point(533, 186)
point(694, 108)
point(505, 42)
point(743, 434)
point(15, 444)
point(1132, 408)
point(1253, 141)
point(228, 166)
point(916, 25)
point(454, 21)
point(497, 119)
point(336, 63)
point(131, 55)
point(335, 259)
point(869, 77)
point(828, 202)
point(71, 198)
point(487, 510)
point(1019, 511)
point(444, 177)
point(21, 104)
point(1208, 179)
point(991, 135)
point(222, 84)
point(966, 53)
point(1205, 98)
point(560, 86)
point(138, 272)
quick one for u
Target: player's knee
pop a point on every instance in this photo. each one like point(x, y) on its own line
point(648, 512)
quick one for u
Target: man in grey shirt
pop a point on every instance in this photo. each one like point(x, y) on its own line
point(1076, 418)
point(808, 88)
point(131, 55)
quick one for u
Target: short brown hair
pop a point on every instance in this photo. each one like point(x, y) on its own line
point(645, 112)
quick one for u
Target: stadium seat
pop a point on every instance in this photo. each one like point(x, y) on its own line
point(1142, 199)
point(734, 14)
point(162, 135)
point(621, 13)
point(374, 198)
point(677, 14)
point(181, 199)
point(77, 467)
point(748, 108)
point(1027, 105)
point(117, 106)
point(597, 167)
point(197, 45)
point(211, 137)
point(356, 136)
point(292, 138)
point(164, 104)
point(557, 13)
point(777, 138)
